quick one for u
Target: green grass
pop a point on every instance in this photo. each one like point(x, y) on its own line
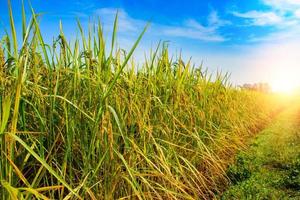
point(80, 122)
point(270, 168)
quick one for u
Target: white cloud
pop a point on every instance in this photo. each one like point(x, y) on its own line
point(125, 22)
point(193, 33)
point(282, 15)
point(258, 18)
point(193, 24)
point(285, 6)
point(282, 4)
point(215, 21)
point(195, 30)
point(191, 28)
point(297, 13)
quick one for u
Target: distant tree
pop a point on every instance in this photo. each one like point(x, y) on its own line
point(261, 87)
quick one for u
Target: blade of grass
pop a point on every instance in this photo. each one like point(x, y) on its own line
point(44, 163)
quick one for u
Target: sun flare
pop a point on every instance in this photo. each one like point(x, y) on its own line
point(286, 81)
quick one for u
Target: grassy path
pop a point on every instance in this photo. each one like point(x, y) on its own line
point(270, 168)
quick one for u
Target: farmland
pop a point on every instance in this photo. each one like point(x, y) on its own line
point(79, 121)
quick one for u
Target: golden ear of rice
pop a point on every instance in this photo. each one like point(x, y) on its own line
point(107, 127)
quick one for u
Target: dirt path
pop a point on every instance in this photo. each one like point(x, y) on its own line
point(270, 168)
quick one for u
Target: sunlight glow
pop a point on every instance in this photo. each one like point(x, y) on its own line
point(286, 81)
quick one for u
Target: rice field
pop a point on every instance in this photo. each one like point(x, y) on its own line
point(79, 121)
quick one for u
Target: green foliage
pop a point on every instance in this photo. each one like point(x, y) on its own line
point(270, 168)
point(292, 180)
point(240, 170)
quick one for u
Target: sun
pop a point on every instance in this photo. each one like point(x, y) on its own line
point(286, 81)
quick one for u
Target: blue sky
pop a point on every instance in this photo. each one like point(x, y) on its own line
point(254, 40)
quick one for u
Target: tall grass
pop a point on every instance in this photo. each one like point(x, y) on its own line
point(80, 122)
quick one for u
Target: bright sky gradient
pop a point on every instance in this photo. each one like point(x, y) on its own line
point(255, 40)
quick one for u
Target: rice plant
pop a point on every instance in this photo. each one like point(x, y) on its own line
point(81, 122)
